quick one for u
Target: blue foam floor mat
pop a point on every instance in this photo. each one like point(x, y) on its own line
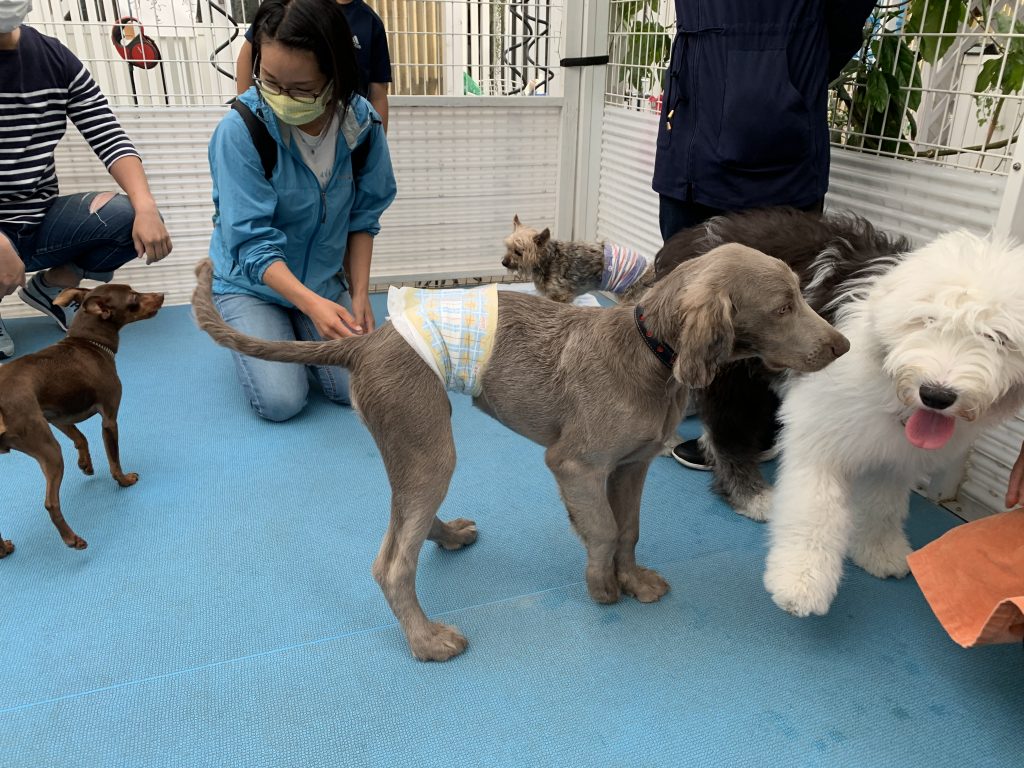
point(224, 613)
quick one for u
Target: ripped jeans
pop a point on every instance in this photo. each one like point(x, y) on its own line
point(91, 243)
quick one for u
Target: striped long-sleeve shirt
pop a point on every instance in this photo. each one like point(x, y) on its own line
point(42, 83)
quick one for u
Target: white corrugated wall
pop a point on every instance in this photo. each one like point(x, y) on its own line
point(464, 169)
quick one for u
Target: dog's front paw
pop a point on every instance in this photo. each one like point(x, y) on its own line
point(801, 591)
point(756, 507)
point(883, 559)
point(85, 465)
point(645, 585)
point(603, 586)
point(74, 541)
point(128, 479)
point(437, 642)
point(6, 547)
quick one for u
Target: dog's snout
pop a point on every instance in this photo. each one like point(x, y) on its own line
point(937, 397)
point(840, 345)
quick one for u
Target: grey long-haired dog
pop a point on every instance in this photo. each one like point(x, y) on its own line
point(565, 269)
point(597, 387)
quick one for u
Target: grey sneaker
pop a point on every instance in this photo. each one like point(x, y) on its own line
point(6, 342)
point(40, 296)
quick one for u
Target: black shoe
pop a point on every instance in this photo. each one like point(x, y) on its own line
point(690, 454)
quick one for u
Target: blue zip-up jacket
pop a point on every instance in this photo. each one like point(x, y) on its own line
point(288, 217)
point(744, 120)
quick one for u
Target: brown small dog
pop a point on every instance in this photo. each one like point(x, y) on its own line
point(66, 383)
point(565, 269)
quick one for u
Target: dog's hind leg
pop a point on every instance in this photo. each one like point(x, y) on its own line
point(46, 451)
point(584, 491)
point(81, 444)
point(414, 435)
point(879, 544)
point(625, 487)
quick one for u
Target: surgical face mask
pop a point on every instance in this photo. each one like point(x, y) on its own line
point(13, 13)
point(293, 112)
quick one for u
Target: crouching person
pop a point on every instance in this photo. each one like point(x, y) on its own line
point(301, 175)
point(63, 239)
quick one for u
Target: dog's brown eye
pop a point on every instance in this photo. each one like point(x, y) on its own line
point(786, 309)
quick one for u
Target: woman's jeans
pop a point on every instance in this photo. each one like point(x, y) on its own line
point(278, 391)
point(91, 243)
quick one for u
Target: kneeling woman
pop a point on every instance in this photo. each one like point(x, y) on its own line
point(292, 252)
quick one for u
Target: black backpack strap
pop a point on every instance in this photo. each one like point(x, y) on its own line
point(360, 153)
point(261, 138)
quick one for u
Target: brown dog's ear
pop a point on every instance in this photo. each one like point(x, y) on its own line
point(706, 341)
point(516, 224)
point(94, 305)
point(542, 237)
point(70, 296)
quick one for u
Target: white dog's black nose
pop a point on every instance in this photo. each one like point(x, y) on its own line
point(937, 397)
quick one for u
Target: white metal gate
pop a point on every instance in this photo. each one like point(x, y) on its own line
point(465, 164)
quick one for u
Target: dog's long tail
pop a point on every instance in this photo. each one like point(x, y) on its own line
point(338, 352)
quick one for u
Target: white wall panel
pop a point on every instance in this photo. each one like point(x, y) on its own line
point(463, 169)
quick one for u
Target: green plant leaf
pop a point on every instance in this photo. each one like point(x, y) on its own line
point(938, 20)
point(878, 90)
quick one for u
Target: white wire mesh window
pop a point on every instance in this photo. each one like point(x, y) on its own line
point(438, 47)
point(640, 38)
point(938, 81)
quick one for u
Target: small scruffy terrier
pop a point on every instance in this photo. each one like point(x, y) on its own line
point(565, 269)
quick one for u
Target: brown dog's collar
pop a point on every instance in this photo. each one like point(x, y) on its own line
point(661, 350)
point(104, 347)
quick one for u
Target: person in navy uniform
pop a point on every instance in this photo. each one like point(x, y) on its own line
point(744, 119)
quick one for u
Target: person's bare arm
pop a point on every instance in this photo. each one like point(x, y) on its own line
point(378, 95)
point(1015, 488)
point(148, 232)
point(332, 320)
point(243, 69)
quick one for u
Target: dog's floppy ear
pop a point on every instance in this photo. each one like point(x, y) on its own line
point(95, 305)
point(70, 296)
point(516, 223)
point(706, 340)
point(542, 237)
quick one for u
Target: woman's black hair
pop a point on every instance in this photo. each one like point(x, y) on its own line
point(317, 26)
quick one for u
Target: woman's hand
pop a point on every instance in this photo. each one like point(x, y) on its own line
point(362, 312)
point(1015, 488)
point(332, 320)
point(150, 235)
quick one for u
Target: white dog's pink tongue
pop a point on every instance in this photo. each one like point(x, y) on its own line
point(929, 430)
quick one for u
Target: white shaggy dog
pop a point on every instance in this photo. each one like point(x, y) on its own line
point(936, 356)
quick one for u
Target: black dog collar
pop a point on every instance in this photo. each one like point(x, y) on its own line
point(661, 350)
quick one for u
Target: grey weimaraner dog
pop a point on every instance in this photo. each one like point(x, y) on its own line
point(594, 386)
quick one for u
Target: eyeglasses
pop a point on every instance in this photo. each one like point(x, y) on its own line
point(301, 96)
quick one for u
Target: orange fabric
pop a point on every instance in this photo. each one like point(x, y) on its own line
point(973, 579)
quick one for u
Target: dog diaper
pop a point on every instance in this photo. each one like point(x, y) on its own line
point(451, 329)
point(622, 268)
point(973, 579)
